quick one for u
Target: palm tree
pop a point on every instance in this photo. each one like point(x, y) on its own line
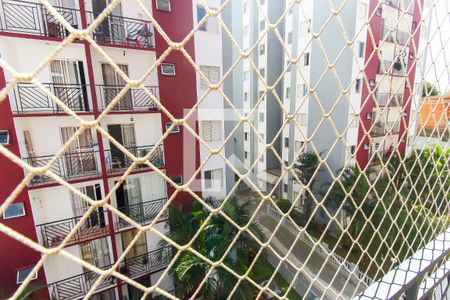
point(305, 168)
point(212, 242)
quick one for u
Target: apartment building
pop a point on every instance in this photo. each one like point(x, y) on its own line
point(35, 129)
point(366, 95)
point(210, 113)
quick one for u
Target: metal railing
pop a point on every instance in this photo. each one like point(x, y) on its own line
point(33, 18)
point(122, 31)
point(381, 128)
point(397, 36)
point(28, 98)
point(389, 99)
point(78, 286)
point(396, 68)
point(134, 99)
point(53, 233)
point(117, 161)
point(71, 165)
point(141, 213)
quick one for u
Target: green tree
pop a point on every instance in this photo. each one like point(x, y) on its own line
point(429, 90)
point(212, 242)
point(305, 168)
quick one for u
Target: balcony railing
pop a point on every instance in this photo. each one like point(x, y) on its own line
point(121, 31)
point(33, 18)
point(78, 286)
point(396, 36)
point(117, 161)
point(389, 67)
point(134, 99)
point(389, 99)
point(30, 99)
point(144, 264)
point(53, 233)
point(141, 213)
point(382, 128)
point(73, 165)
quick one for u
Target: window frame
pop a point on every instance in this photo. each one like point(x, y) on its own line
point(177, 128)
point(22, 204)
point(8, 137)
point(23, 269)
point(168, 74)
point(160, 9)
point(358, 85)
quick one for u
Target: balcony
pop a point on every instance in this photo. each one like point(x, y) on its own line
point(134, 100)
point(53, 233)
point(389, 99)
point(70, 166)
point(121, 31)
point(383, 128)
point(117, 161)
point(78, 286)
point(396, 36)
point(141, 213)
point(33, 18)
point(393, 68)
point(29, 99)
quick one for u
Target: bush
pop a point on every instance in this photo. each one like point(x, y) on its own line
point(284, 205)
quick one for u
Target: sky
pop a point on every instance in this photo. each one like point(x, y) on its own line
point(439, 37)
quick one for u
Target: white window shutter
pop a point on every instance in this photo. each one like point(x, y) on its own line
point(216, 131)
point(206, 131)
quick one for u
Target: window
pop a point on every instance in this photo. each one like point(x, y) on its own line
point(360, 49)
point(379, 12)
point(210, 25)
point(15, 210)
point(163, 5)
point(306, 59)
point(352, 149)
point(23, 273)
point(411, 55)
point(358, 85)
point(213, 75)
point(369, 116)
point(212, 130)
point(178, 179)
point(262, 25)
point(175, 129)
point(414, 25)
point(213, 179)
point(261, 117)
point(288, 93)
point(262, 49)
point(286, 142)
point(245, 154)
point(246, 136)
point(372, 82)
point(299, 146)
point(245, 7)
point(301, 119)
point(260, 94)
point(168, 69)
point(262, 71)
point(245, 97)
point(289, 38)
point(302, 90)
point(285, 187)
point(246, 75)
point(354, 120)
point(4, 137)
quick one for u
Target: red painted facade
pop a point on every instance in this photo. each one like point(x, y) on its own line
point(370, 72)
point(177, 94)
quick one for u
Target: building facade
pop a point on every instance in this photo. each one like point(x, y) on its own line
point(35, 129)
